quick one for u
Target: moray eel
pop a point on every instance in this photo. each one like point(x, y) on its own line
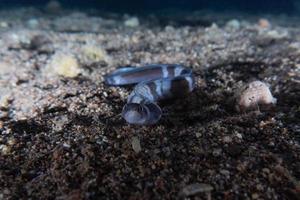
point(154, 83)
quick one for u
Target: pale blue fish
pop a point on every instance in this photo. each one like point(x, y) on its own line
point(155, 82)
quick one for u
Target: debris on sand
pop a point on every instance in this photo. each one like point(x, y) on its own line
point(132, 22)
point(5, 149)
point(136, 144)
point(32, 23)
point(64, 65)
point(194, 189)
point(93, 54)
point(233, 24)
point(264, 23)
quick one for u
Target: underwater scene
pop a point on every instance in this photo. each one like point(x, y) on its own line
point(148, 99)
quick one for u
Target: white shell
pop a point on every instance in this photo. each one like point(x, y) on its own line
point(255, 95)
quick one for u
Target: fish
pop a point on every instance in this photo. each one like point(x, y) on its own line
point(154, 83)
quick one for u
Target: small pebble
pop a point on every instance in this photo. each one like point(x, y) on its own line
point(4, 101)
point(195, 188)
point(227, 139)
point(255, 95)
point(66, 145)
point(59, 123)
point(238, 135)
point(11, 141)
point(255, 196)
point(264, 23)
point(33, 23)
point(216, 152)
point(277, 35)
point(5, 150)
point(225, 172)
point(65, 65)
point(136, 144)
point(132, 22)
point(3, 24)
point(233, 24)
point(198, 134)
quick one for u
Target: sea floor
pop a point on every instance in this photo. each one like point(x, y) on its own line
point(62, 136)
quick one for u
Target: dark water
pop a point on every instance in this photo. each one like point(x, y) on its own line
point(140, 6)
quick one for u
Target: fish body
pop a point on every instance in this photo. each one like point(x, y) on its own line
point(154, 83)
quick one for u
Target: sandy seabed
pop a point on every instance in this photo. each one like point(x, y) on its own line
point(62, 136)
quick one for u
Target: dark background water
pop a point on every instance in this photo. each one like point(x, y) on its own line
point(139, 6)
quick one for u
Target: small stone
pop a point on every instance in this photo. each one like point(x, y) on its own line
point(217, 152)
point(65, 65)
point(3, 24)
point(5, 150)
point(225, 172)
point(195, 188)
point(32, 23)
point(255, 95)
point(264, 23)
point(60, 122)
point(295, 46)
point(233, 24)
point(255, 196)
point(169, 29)
point(227, 139)
point(4, 101)
point(213, 26)
point(277, 35)
point(66, 145)
point(266, 170)
point(6, 191)
point(267, 36)
point(11, 141)
point(198, 134)
point(238, 135)
point(136, 144)
point(132, 22)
